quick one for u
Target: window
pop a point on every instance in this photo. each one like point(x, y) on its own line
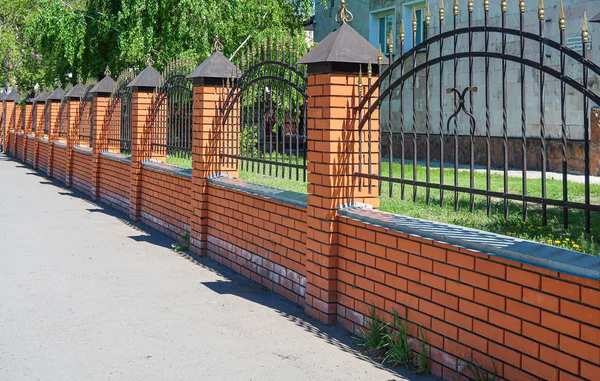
point(418, 8)
point(383, 22)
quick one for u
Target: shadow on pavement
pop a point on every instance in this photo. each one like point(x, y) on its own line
point(235, 283)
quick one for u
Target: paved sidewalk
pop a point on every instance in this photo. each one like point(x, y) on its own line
point(84, 295)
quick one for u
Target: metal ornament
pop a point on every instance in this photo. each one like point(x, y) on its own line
point(343, 15)
point(218, 46)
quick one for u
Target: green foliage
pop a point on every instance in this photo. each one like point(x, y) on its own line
point(398, 349)
point(182, 244)
point(42, 40)
point(374, 337)
point(420, 359)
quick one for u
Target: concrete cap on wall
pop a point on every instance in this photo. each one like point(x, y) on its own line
point(596, 18)
point(56, 95)
point(104, 87)
point(76, 92)
point(30, 97)
point(2, 95)
point(42, 96)
point(343, 50)
point(148, 79)
point(215, 67)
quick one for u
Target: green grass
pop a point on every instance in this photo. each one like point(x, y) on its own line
point(179, 161)
point(574, 238)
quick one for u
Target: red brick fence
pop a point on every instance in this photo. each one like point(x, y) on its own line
point(529, 311)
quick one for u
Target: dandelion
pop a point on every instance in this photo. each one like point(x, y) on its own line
point(549, 241)
point(557, 242)
point(567, 240)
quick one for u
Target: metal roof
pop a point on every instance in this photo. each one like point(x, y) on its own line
point(343, 45)
point(57, 94)
point(149, 77)
point(105, 86)
point(76, 92)
point(215, 66)
point(12, 96)
point(42, 96)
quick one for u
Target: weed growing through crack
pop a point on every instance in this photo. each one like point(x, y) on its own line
point(374, 337)
point(182, 244)
point(398, 350)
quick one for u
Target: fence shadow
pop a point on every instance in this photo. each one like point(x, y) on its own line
point(234, 283)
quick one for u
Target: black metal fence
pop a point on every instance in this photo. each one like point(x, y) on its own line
point(443, 69)
point(64, 117)
point(47, 115)
point(264, 115)
point(171, 115)
point(118, 127)
point(85, 119)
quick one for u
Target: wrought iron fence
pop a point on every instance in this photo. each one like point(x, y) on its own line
point(63, 117)
point(171, 115)
point(47, 115)
point(85, 119)
point(118, 127)
point(421, 132)
point(264, 114)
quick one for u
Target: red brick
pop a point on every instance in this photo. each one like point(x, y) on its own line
point(446, 271)
point(505, 321)
point(580, 349)
point(473, 309)
point(375, 275)
point(522, 344)
point(444, 329)
point(590, 334)
point(443, 299)
point(385, 265)
point(504, 354)
point(488, 267)
point(409, 273)
point(431, 309)
point(540, 369)
point(580, 312)
point(473, 341)
point(590, 371)
point(474, 279)
point(460, 290)
point(407, 299)
point(488, 331)
point(491, 300)
point(523, 311)
point(510, 290)
point(433, 252)
point(457, 349)
point(561, 288)
point(511, 374)
point(396, 282)
point(433, 281)
point(591, 297)
point(559, 359)
point(537, 333)
point(420, 263)
point(538, 299)
point(461, 260)
point(560, 324)
point(459, 319)
point(419, 290)
point(385, 291)
point(409, 246)
point(418, 318)
point(521, 277)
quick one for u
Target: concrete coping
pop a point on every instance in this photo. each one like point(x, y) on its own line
point(286, 197)
point(30, 136)
point(20, 133)
point(82, 149)
point(167, 168)
point(60, 143)
point(515, 249)
point(116, 156)
point(44, 140)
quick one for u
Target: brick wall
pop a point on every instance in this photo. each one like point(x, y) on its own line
point(31, 144)
point(43, 151)
point(265, 240)
point(20, 145)
point(82, 171)
point(166, 202)
point(59, 163)
point(529, 322)
point(114, 183)
point(10, 143)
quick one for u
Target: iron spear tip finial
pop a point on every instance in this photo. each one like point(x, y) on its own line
point(107, 71)
point(541, 14)
point(58, 82)
point(427, 15)
point(486, 5)
point(149, 60)
point(584, 29)
point(561, 17)
point(470, 5)
point(402, 34)
point(218, 46)
point(79, 78)
point(522, 6)
point(390, 42)
point(370, 69)
point(441, 10)
point(414, 20)
point(379, 56)
point(343, 15)
point(503, 5)
point(455, 8)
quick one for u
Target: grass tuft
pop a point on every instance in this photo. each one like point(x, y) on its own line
point(374, 337)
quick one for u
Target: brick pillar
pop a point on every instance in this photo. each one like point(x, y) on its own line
point(53, 126)
point(72, 138)
point(143, 87)
point(9, 122)
point(101, 93)
point(18, 128)
point(209, 94)
point(39, 126)
point(333, 156)
point(595, 141)
point(28, 127)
